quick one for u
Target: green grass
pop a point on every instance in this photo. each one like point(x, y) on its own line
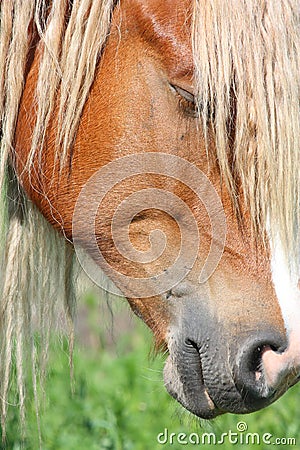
point(119, 403)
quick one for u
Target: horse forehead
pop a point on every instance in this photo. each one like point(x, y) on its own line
point(166, 27)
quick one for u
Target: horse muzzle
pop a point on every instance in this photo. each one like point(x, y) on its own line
point(211, 371)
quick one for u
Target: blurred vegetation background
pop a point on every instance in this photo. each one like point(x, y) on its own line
point(117, 400)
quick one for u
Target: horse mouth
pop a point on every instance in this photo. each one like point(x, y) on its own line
point(197, 401)
point(183, 378)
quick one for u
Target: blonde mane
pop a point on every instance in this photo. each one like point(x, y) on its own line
point(247, 70)
point(246, 55)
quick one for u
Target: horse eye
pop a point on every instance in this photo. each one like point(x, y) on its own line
point(186, 99)
point(188, 96)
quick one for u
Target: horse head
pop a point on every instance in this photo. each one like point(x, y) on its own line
point(170, 110)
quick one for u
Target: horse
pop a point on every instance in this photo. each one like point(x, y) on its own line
point(157, 142)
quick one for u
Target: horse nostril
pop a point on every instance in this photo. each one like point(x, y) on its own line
point(255, 365)
point(249, 376)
